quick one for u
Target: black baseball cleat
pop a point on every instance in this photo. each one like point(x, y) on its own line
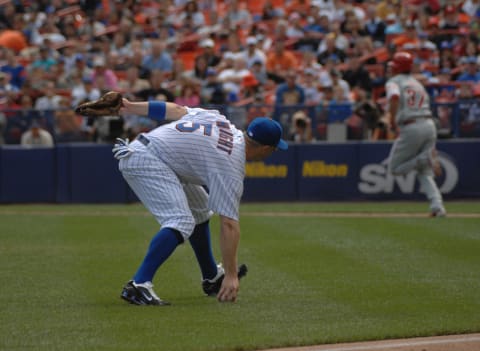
point(211, 287)
point(141, 294)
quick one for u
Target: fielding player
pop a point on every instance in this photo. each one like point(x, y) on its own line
point(411, 118)
point(170, 168)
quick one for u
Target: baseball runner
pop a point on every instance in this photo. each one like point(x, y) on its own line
point(411, 117)
point(183, 172)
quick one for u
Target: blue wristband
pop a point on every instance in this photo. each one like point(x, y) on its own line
point(157, 110)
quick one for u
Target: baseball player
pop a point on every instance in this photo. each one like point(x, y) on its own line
point(183, 172)
point(411, 117)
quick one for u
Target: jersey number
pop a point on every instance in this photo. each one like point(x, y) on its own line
point(189, 127)
point(415, 98)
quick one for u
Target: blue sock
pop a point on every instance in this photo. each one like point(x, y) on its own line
point(161, 247)
point(200, 241)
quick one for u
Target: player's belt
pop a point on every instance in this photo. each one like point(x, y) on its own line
point(412, 120)
point(143, 139)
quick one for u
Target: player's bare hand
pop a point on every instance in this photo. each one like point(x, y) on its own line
point(125, 106)
point(229, 290)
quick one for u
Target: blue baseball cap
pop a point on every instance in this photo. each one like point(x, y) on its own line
point(266, 131)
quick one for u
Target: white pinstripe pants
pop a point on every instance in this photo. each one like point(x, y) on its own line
point(174, 204)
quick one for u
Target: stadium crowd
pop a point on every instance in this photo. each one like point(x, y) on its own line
point(305, 63)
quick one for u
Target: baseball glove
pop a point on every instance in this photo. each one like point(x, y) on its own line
point(108, 105)
point(212, 288)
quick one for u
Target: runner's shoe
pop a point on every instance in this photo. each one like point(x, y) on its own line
point(438, 212)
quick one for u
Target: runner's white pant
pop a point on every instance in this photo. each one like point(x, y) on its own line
point(411, 150)
point(174, 204)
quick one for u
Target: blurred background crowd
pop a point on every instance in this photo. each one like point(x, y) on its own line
point(307, 63)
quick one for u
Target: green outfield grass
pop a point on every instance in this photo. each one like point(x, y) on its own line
point(311, 280)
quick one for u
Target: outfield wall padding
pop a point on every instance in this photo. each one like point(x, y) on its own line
point(87, 173)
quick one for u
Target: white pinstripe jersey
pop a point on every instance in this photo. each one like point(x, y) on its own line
point(204, 148)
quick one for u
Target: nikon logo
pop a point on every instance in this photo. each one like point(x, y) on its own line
point(261, 170)
point(322, 169)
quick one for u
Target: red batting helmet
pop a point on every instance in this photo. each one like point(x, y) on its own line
point(402, 62)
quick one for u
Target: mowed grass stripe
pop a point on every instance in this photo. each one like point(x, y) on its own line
point(311, 280)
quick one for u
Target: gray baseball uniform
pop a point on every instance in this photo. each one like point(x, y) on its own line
point(417, 137)
point(171, 165)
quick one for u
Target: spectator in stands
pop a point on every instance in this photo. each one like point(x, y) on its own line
point(329, 49)
point(364, 46)
point(50, 100)
point(311, 87)
point(188, 95)
point(249, 87)
point(208, 52)
point(316, 27)
point(270, 12)
point(301, 128)
point(192, 12)
point(80, 68)
point(338, 81)
point(67, 126)
point(386, 8)
point(357, 75)
point(43, 60)
point(234, 44)
point(374, 26)
point(59, 75)
point(258, 70)
point(424, 43)
point(178, 73)
point(280, 61)
point(132, 82)
point(393, 24)
point(237, 16)
point(254, 54)
point(475, 24)
point(471, 72)
point(232, 77)
point(300, 6)
point(465, 91)
point(84, 90)
point(450, 20)
point(290, 93)
point(265, 42)
point(351, 24)
point(156, 81)
point(470, 7)
point(119, 44)
point(158, 59)
point(200, 67)
point(36, 136)
point(6, 89)
point(14, 69)
point(103, 76)
point(212, 92)
point(407, 40)
point(295, 29)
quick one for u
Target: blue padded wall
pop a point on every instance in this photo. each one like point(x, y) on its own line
point(27, 175)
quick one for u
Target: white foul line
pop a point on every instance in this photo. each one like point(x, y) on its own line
point(386, 345)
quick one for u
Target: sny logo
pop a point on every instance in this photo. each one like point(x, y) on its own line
point(375, 178)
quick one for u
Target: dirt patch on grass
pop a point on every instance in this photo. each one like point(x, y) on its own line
point(467, 342)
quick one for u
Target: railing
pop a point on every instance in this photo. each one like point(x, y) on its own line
point(459, 119)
